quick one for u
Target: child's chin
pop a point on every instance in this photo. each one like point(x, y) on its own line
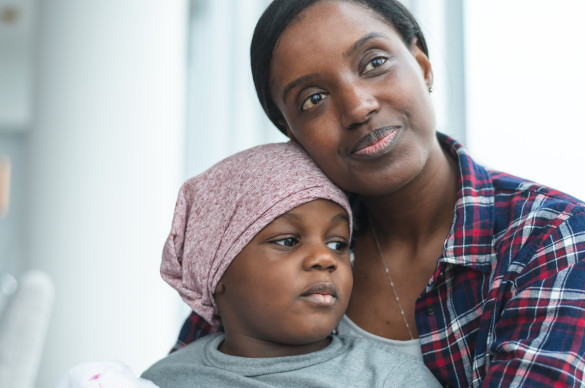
point(317, 334)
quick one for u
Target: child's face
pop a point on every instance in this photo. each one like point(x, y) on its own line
point(291, 284)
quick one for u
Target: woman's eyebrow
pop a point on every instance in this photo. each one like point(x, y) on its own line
point(295, 83)
point(360, 42)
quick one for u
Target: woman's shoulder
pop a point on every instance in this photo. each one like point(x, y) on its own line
point(537, 229)
point(514, 186)
point(519, 201)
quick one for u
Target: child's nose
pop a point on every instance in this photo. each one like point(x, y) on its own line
point(320, 258)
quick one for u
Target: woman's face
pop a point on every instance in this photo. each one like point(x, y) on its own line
point(355, 96)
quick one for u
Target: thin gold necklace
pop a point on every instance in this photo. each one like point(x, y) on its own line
point(391, 282)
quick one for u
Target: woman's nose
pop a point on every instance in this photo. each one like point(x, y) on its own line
point(356, 104)
point(319, 258)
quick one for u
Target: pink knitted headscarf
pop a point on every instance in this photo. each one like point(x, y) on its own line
point(219, 212)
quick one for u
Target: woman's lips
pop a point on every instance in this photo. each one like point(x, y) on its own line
point(322, 293)
point(375, 142)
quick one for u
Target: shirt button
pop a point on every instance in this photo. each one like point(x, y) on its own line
point(446, 385)
point(430, 310)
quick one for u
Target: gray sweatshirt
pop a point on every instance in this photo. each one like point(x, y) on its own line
point(346, 362)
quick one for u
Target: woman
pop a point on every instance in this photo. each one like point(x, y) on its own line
point(480, 272)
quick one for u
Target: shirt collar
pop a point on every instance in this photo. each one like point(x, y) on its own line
point(470, 240)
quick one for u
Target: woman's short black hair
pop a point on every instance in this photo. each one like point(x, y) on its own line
point(278, 16)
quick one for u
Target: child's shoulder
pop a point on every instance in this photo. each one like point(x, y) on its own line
point(366, 347)
point(184, 358)
point(399, 369)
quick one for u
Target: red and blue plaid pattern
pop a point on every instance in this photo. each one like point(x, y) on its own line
point(194, 328)
point(506, 305)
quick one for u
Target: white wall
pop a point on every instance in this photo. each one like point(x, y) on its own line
point(526, 90)
point(105, 161)
point(441, 24)
point(224, 115)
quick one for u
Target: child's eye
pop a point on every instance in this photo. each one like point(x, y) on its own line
point(374, 63)
point(287, 242)
point(339, 246)
point(313, 100)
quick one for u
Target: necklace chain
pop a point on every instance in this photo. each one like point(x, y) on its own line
point(391, 282)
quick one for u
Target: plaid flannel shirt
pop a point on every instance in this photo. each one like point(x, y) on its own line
point(506, 305)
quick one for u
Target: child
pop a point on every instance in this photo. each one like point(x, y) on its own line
point(260, 245)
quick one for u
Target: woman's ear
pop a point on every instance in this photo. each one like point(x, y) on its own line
point(424, 63)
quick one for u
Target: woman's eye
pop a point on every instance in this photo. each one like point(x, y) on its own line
point(288, 242)
point(339, 246)
point(374, 63)
point(313, 100)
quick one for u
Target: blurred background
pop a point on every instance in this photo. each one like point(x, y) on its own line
point(106, 107)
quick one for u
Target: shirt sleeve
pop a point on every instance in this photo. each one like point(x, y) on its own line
point(195, 327)
point(539, 336)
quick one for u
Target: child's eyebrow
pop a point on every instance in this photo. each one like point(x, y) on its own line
point(340, 217)
point(287, 215)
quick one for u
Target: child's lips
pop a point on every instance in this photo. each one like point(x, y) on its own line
point(321, 299)
point(322, 293)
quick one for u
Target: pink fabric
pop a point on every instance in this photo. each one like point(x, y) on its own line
point(219, 212)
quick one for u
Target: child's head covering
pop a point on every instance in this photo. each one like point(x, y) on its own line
point(219, 212)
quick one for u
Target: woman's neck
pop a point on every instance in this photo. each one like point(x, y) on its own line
point(421, 209)
point(410, 225)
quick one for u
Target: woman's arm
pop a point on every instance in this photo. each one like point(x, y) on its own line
point(539, 337)
point(194, 328)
